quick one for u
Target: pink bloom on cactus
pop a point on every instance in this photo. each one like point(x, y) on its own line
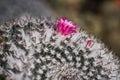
point(66, 27)
point(89, 43)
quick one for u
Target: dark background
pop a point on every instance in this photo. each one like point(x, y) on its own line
point(15, 8)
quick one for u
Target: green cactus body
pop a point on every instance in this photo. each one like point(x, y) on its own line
point(33, 50)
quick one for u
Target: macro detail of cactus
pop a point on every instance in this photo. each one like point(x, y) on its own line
point(45, 49)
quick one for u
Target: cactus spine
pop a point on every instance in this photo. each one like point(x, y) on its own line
point(33, 49)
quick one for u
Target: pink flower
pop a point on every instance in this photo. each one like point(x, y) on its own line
point(89, 43)
point(66, 27)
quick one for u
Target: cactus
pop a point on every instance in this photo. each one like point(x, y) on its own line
point(45, 49)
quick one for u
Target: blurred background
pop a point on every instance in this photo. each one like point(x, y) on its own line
point(99, 17)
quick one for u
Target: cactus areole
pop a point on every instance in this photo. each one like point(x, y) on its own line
point(47, 49)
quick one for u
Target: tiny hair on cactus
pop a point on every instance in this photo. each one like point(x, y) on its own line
point(47, 49)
